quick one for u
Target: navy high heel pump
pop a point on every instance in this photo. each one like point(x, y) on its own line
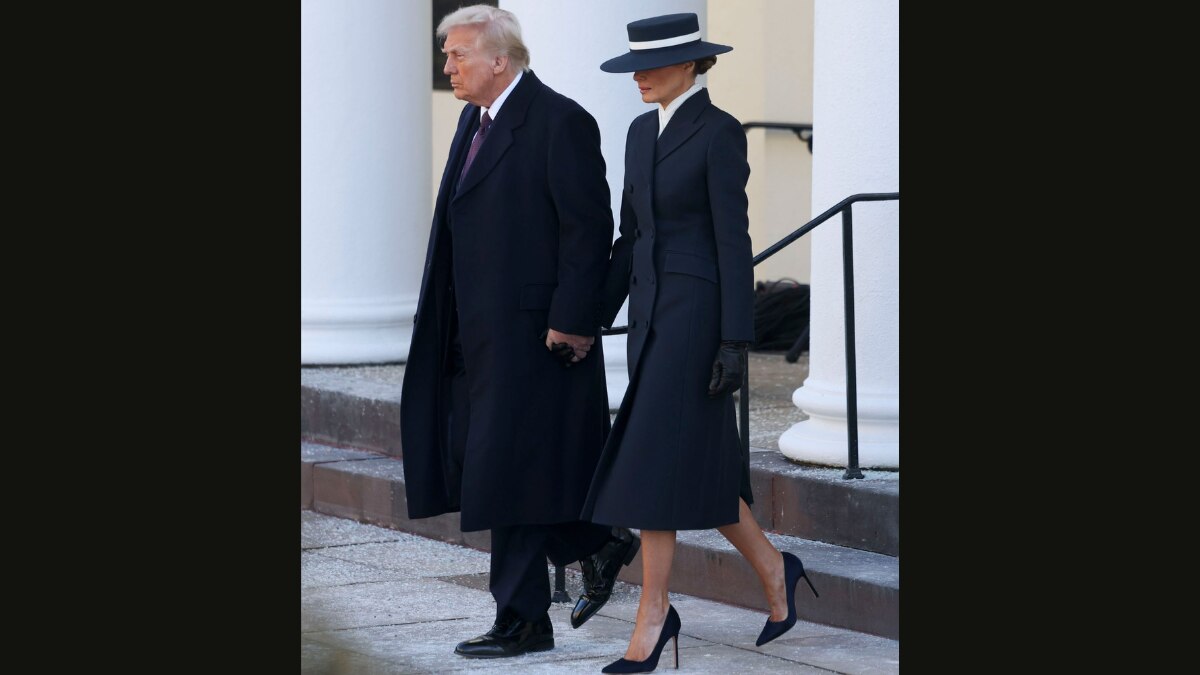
point(793, 572)
point(670, 630)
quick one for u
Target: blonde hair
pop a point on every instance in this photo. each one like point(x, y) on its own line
point(500, 31)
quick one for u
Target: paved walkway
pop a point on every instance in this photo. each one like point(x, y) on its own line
point(378, 601)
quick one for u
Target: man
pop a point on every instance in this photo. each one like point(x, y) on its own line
point(504, 408)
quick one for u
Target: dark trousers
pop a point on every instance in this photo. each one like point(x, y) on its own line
point(520, 582)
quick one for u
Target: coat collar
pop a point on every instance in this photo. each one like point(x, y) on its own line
point(500, 134)
point(683, 125)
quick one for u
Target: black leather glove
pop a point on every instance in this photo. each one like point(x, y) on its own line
point(728, 368)
point(560, 350)
point(564, 352)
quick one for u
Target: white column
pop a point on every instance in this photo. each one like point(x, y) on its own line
point(856, 124)
point(567, 43)
point(364, 176)
point(744, 83)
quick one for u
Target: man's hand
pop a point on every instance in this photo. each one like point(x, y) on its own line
point(728, 368)
point(576, 349)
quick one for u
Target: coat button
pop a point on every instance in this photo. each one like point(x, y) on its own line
point(633, 280)
point(637, 234)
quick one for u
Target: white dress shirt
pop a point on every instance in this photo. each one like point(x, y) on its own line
point(495, 109)
point(664, 114)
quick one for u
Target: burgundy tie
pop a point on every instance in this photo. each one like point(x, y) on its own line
point(484, 123)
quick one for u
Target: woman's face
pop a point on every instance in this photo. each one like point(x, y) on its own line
point(663, 85)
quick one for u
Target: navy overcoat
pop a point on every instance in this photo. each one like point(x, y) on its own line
point(673, 460)
point(525, 242)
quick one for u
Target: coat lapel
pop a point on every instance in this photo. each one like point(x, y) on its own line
point(500, 134)
point(683, 125)
point(468, 122)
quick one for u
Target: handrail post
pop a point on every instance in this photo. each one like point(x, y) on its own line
point(852, 470)
point(560, 585)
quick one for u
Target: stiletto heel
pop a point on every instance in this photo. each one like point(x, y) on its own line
point(804, 575)
point(670, 630)
point(793, 572)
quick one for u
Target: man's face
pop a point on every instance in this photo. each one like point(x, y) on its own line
point(469, 66)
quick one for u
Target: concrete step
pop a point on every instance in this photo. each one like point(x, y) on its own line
point(860, 590)
point(359, 407)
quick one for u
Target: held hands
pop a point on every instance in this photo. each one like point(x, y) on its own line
point(563, 352)
point(568, 349)
point(728, 368)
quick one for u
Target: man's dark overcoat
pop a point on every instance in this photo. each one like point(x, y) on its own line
point(521, 245)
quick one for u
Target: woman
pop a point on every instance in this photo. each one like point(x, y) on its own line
point(673, 460)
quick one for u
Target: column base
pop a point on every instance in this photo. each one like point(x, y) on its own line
point(822, 438)
point(348, 332)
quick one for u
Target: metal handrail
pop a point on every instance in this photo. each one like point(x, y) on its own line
point(799, 129)
point(852, 469)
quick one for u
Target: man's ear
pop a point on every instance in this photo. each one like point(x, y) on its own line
point(500, 64)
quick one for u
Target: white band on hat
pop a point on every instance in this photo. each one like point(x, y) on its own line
point(665, 42)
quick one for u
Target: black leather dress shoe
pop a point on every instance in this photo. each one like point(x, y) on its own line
point(510, 636)
point(600, 573)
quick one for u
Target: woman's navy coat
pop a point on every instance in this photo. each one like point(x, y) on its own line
point(673, 460)
point(532, 229)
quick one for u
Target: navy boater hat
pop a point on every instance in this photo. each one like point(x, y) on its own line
point(663, 41)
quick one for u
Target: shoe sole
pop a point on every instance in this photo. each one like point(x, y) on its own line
point(540, 647)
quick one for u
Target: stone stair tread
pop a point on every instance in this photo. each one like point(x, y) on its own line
point(883, 482)
point(313, 453)
point(817, 556)
point(859, 589)
point(373, 382)
point(359, 407)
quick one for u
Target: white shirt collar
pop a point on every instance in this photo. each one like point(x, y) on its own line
point(665, 114)
point(495, 109)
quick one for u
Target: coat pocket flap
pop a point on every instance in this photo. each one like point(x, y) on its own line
point(536, 296)
point(685, 263)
